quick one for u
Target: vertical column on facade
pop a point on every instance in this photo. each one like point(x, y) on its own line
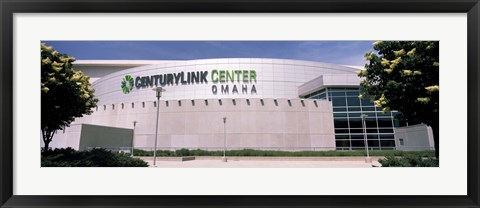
point(393, 127)
point(348, 118)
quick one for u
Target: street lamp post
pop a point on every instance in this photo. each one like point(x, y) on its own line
point(133, 138)
point(367, 159)
point(224, 159)
point(159, 91)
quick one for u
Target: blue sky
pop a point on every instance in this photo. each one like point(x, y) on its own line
point(337, 52)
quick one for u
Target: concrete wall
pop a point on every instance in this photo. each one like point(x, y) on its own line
point(251, 123)
point(326, 80)
point(81, 136)
point(416, 137)
point(104, 136)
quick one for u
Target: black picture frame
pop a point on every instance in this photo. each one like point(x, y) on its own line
point(10, 7)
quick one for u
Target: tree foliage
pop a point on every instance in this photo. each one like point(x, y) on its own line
point(65, 92)
point(404, 76)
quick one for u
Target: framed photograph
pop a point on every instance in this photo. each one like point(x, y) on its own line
point(265, 103)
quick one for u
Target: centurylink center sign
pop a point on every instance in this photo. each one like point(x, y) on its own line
point(225, 81)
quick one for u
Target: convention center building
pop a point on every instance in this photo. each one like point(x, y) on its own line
point(245, 103)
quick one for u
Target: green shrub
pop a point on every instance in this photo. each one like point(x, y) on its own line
point(160, 153)
point(274, 153)
point(94, 158)
point(182, 152)
point(413, 160)
point(139, 152)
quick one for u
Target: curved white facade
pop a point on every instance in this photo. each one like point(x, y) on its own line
point(267, 124)
point(259, 97)
point(245, 78)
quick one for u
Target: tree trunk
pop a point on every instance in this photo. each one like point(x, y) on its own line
point(45, 148)
point(47, 138)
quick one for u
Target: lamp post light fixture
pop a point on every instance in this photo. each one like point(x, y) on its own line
point(159, 91)
point(224, 159)
point(367, 159)
point(133, 137)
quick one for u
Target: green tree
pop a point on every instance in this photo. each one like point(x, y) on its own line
point(65, 93)
point(404, 76)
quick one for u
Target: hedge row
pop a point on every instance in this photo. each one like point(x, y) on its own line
point(94, 158)
point(271, 153)
point(409, 161)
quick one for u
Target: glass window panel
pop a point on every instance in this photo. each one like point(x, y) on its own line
point(372, 130)
point(386, 136)
point(368, 108)
point(338, 101)
point(341, 137)
point(353, 93)
point(380, 113)
point(339, 115)
point(357, 137)
point(366, 102)
point(357, 148)
point(371, 123)
point(384, 122)
point(371, 115)
point(372, 136)
point(340, 131)
point(340, 123)
point(385, 130)
point(354, 115)
point(354, 109)
point(373, 144)
point(353, 101)
point(339, 109)
point(359, 131)
point(338, 94)
point(342, 143)
point(356, 123)
point(321, 96)
point(358, 143)
point(387, 143)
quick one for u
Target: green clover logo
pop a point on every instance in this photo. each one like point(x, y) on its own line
point(127, 84)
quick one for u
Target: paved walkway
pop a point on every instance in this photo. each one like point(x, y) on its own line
point(239, 163)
